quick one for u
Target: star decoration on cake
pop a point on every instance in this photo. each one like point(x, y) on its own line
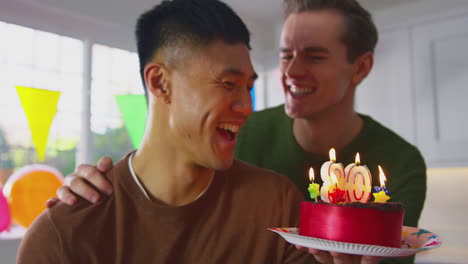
point(381, 197)
point(314, 190)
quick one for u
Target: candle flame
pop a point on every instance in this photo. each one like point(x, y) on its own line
point(334, 180)
point(332, 154)
point(311, 174)
point(358, 159)
point(382, 177)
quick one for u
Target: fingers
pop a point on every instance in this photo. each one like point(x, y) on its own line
point(52, 201)
point(105, 164)
point(370, 260)
point(326, 257)
point(93, 176)
point(65, 195)
point(78, 186)
point(321, 256)
point(342, 258)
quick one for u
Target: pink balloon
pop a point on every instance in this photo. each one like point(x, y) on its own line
point(5, 216)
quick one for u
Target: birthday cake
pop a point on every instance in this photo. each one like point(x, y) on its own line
point(361, 223)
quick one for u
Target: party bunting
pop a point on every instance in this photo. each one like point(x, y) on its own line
point(40, 107)
point(134, 110)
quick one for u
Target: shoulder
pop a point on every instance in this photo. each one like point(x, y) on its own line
point(84, 218)
point(70, 230)
point(41, 243)
point(392, 149)
point(379, 134)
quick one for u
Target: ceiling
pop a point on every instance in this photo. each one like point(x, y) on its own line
point(125, 12)
point(111, 22)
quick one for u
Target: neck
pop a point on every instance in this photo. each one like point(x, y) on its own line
point(335, 127)
point(165, 174)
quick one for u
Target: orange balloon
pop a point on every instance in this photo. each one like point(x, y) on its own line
point(28, 189)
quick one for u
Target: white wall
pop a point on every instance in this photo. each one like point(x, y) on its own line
point(445, 214)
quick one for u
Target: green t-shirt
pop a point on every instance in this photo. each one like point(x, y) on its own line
point(267, 141)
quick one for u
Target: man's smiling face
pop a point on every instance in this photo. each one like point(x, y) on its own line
point(316, 74)
point(210, 103)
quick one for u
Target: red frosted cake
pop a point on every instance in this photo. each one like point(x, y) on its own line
point(362, 223)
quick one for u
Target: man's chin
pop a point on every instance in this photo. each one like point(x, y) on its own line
point(293, 112)
point(222, 164)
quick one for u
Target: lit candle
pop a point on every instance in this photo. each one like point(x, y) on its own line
point(381, 193)
point(335, 194)
point(358, 182)
point(326, 170)
point(313, 187)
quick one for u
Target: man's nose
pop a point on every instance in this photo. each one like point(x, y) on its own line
point(243, 104)
point(295, 68)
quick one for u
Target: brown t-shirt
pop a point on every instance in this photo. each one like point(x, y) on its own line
point(227, 224)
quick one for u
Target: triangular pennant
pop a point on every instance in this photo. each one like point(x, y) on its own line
point(134, 111)
point(40, 107)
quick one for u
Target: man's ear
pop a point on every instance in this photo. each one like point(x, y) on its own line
point(157, 81)
point(363, 65)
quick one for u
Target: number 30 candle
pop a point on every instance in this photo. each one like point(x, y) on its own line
point(326, 171)
point(359, 182)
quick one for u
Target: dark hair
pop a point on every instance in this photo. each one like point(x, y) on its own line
point(175, 24)
point(360, 33)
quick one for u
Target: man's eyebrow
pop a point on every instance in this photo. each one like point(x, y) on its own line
point(308, 49)
point(238, 72)
point(316, 49)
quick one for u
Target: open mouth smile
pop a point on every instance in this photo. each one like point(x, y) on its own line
point(296, 91)
point(228, 131)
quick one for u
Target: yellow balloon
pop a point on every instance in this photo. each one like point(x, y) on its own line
point(28, 189)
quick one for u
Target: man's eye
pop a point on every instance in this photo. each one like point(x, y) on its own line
point(316, 58)
point(286, 57)
point(229, 85)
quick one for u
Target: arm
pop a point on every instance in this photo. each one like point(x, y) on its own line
point(82, 181)
point(41, 244)
point(410, 188)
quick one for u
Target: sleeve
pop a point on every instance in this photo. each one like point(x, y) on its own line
point(41, 243)
point(410, 190)
point(292, 205)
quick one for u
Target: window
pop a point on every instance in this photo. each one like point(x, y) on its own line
point(114, 72)
point(38, 59)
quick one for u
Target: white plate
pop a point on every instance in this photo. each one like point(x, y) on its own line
point(413, 240)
